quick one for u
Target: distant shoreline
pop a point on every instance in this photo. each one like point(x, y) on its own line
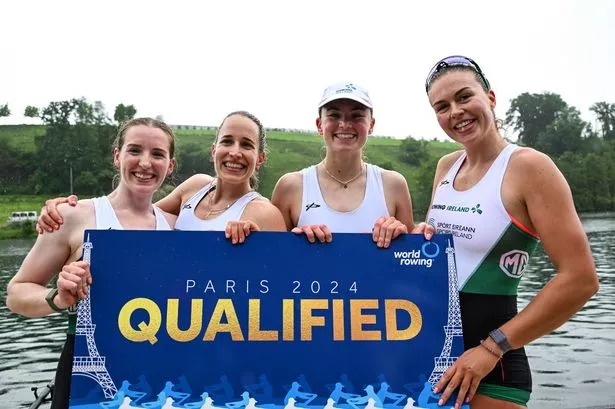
point(7, 232)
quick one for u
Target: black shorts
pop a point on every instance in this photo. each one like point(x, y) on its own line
point(61, 390)
point(482, 313)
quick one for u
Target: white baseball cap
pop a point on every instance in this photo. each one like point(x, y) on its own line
point(345, 90)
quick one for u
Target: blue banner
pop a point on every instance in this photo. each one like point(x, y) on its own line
point(188, 320)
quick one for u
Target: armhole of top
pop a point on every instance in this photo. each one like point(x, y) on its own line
point(376, 172)
point(522, 227)
point(305, 183)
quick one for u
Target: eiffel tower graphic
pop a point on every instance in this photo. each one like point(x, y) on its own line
point(453, 325)
point(92, 365)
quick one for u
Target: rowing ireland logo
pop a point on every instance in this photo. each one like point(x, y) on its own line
point(514, 263)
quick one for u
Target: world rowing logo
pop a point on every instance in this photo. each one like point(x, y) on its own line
point(514, 263)
point(418, 257)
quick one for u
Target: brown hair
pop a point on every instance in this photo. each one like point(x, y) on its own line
point(499, 124)
point(151, 122)
point(262, 138)
point(449, 68)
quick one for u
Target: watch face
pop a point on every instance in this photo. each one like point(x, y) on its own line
point(500, 338)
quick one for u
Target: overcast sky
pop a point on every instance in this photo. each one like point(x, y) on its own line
point(195, 61)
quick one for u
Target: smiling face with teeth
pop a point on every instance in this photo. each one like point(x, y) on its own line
point(345, 124)
point(463, 108)
point(144, 158)
point(237, 152)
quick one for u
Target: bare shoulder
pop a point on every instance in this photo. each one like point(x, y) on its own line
point(261, 203)
point(194, 183)
point(265, 214)
point(393, 179)
point(288, 186)
point(291, 180)
point(534, 184)
point(76, 219)
point(397, 196)
point(79, 216)
point(529, 160)
point(530, 169)
point(199, 178)
point(447, 160)
point(444, 165)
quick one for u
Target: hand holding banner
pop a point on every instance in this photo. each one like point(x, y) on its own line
point(188, 320)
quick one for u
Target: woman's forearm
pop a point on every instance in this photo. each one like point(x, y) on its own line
point(28, 299)
point(555, 304)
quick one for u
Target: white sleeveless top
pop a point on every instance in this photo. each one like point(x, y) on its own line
point(314, 209)
point(491, 250)
point(106, 219)
point(187, 220)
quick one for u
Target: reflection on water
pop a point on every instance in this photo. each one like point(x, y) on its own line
point(574, 366)
point(571, 367)
point(25, 360)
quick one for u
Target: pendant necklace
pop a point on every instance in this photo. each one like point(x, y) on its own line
point(341, 182)
point(220, 210)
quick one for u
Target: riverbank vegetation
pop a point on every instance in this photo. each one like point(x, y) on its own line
point(71, 152)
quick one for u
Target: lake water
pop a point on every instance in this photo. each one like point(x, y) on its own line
point(572, 367)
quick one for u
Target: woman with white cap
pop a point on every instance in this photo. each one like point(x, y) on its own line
point(343, 193)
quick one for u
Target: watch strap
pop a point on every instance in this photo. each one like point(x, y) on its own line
point(49, 298)
point(500, 339)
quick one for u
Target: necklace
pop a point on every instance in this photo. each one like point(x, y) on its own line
point(220, 210)
point(341, 182)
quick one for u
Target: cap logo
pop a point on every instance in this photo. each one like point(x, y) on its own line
point(348, 88)
point(336, 91)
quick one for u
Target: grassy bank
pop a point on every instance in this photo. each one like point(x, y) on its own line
point(18, 203)
point(17, 231)
point(287, 151)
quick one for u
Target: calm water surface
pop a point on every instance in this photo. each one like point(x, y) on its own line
point(573, 367)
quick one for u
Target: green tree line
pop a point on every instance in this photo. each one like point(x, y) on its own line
point(584, 153)
point(73, 154)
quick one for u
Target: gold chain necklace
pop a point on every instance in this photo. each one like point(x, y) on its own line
point(341, 182)
point(220, 210)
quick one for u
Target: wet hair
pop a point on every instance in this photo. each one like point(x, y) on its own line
point(151, 122)
point(262, 138)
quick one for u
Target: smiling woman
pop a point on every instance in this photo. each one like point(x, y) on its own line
point(498, 200)
point(342, 193)
point(228, 201)
point(224, 202)
point(143, 152)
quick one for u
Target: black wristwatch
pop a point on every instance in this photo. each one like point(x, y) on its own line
point(49, 298)
point(500, 338)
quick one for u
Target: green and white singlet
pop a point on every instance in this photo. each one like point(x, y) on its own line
point(492, 252)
